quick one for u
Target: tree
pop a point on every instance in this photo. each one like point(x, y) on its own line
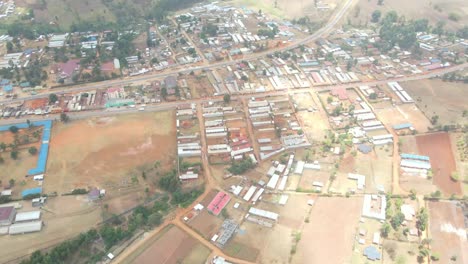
point(373, 96)
point(32, 150)
point(376, 16)
point(14, 154)
point(155, 219)
point(397, 219)
point(9, 46)
point(227, 98)
point(11, 182)
point(53, 98)
point(3, 146)
point(64, 118)
point(380, 2)
point(385, 230)
point(1, 162)
point(421, 219)
point(164, 93)
point(14, 129)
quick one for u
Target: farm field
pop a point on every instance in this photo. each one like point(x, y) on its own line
point(415, 9)
point(448, 231)
point(172, 245)
point(104, 152)
point(438, 147)
point(332, 227)
point(436, 97)
point(64, 218)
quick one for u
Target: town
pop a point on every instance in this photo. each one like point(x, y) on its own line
point(221, 132)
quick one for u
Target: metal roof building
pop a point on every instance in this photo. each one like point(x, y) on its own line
point(27, 216)
point(7, 214)
point(263, 213)
point(27, 227)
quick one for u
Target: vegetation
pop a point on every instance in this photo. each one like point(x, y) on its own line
point(32, 150)
point(227, 98)
point(239, 167)
point(170, 183)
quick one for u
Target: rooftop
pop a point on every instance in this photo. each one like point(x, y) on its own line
point(5, 212)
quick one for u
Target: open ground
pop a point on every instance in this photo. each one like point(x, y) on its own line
point(104, 152)
point(438, 147)
point(434, 11)
point(171, 245)
point(436, 97)
point(448, 232)
point(331, 229)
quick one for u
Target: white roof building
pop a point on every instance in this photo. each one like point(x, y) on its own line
point(27, 227)
point(27, 216)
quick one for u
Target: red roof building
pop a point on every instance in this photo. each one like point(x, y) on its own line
point(7, 215)
point(219, 202)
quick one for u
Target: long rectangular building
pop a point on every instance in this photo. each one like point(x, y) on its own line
point(263, 213)
point(27, 216)
point(27, 227)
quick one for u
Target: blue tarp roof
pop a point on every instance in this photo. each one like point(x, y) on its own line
point(414, 156)
point(365, 148)
point(4, 81)
point(372, 253)
point(8, 88)
point(44, 150)
point(31, 191)
point(402, 126)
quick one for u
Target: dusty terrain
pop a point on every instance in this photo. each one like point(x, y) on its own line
point(436, 97)
point(332, 226)
point(438, 147)
point(104, 152)
point(173, 246)
point(415, 9)
point(448, 232)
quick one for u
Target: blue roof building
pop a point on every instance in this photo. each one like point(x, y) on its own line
point(372, 253)
point(8, 88)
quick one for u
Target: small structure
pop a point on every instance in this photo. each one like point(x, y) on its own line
point(364, 148)
point(374, 206)
point(94, 194)
point(31, 191)
point(218, 203)
point(7, 214)
point(408, 211)
point(263, 213)
point(372, 253)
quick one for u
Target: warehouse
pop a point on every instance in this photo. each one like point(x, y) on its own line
point(27, 227)
point(27, 216)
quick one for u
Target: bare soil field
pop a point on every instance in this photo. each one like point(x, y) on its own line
point(404, 113)
point(173, 246)
point(314, 124)
point(415, 9)
point(436, 97)
point(331, 229)
point(104, 152)
point(438, 147)
point(421, 185)
point(448, 232)
point(64, 217)
point(287, 9)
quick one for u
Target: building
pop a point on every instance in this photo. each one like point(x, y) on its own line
point(28, 216)
point(218, 203)
point(170, 82)
point(7, 215)
point(26, 227)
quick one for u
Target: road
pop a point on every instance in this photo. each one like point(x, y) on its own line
point(154, 76)
point(172, 105)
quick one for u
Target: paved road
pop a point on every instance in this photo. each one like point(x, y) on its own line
point(154, 76)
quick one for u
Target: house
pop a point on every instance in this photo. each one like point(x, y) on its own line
point(7, 215)
point(170, 83)
point(94, 194)
point(65, 71)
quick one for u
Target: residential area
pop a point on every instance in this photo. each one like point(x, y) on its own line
point(225, 132)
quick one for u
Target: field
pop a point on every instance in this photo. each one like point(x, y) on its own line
point(311, 116)
point(64, 217)
point(331, 229)
point(415, 9)
point(66, 12)
point(172, 245)
point(105, 151)
point(405, 113)
point(436, 97)
point(286, 9)
point(448, 232)
point(438, 147)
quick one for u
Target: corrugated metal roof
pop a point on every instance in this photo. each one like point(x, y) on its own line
point(25, 227)
point(28, 216)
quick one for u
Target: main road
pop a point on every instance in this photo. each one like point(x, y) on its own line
point(322, 32)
